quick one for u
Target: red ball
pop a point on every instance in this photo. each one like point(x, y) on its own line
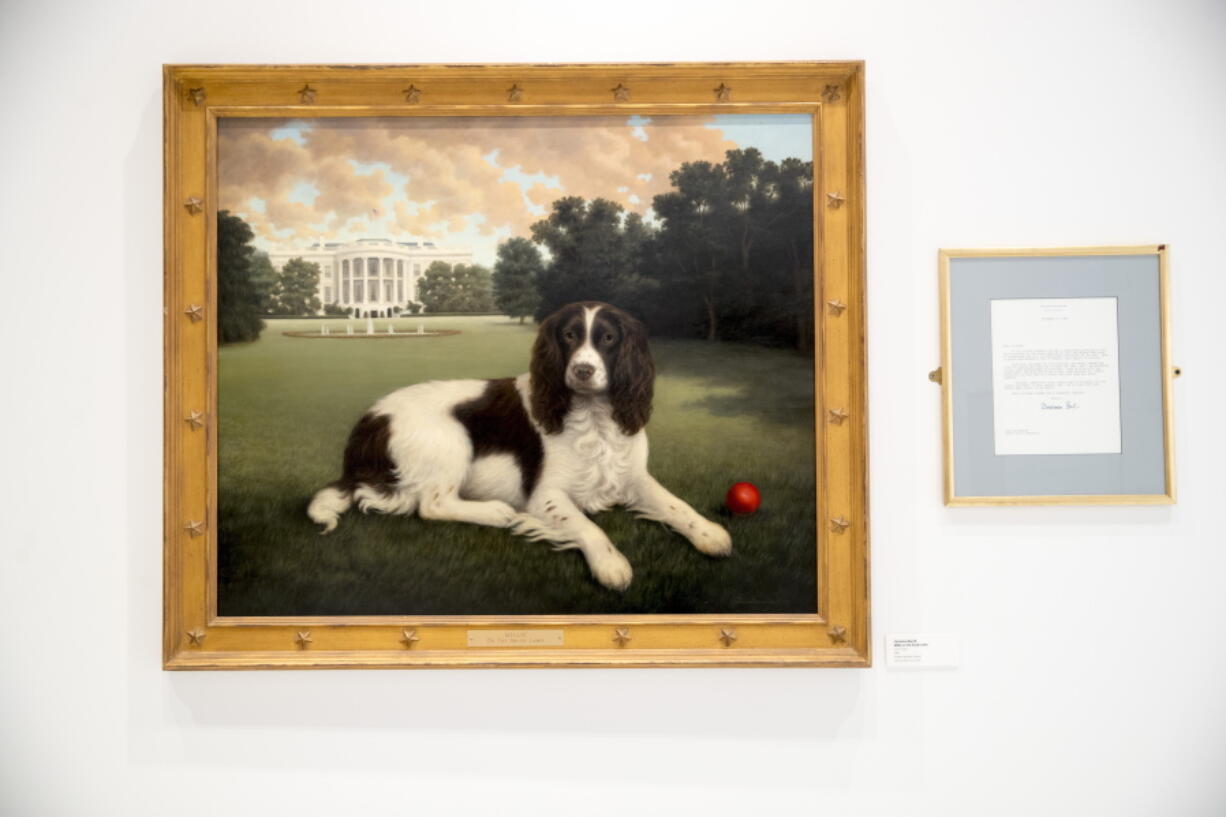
point(743, 498)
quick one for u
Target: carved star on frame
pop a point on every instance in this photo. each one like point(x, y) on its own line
point(727, 635)
point(196, 637)
point(723, 93)
point(302, 639)
point(838, 634)
point(831, 93)
point(194, 528)
point(837, 416)
point(836, 306)
point(307, 94)
point(621, 93)
point(194, 206)
point(196, 95)
point(838, 524)
point(408, 638)
point(195, 312)
point(515, 93)
point(412, 94)
point(195, 419)
point(621, 636)
point(835, 200)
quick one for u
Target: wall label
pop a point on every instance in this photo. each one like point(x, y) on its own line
point(921, 651)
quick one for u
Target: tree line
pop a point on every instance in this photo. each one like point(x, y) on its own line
point(728, 256)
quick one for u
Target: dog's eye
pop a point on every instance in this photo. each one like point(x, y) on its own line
point(608, 338)
point(568, 335)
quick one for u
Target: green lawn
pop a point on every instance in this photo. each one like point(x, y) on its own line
point(286, 406)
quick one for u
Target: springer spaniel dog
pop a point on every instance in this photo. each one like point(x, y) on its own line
point(534, 454)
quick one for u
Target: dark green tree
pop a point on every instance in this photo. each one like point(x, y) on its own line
point(695, 240)
point(296, 289)
point(594, 250)
point(728, 255)
point(238, 297)
point(475, 288)
point(435, 287)
point(516, 271)
point(736, 244)
point(789, 250)
point(264, 278)
point(458, 288)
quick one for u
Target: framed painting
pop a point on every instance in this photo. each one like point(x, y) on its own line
point(421, 322)
point(1056, 376)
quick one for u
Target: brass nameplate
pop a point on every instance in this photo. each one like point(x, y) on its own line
point(515, 638)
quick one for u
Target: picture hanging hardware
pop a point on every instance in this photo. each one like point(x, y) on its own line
point(307, 94)
point(302, 639)
point(409, 638)
point(935, 375)
point(194, 206)
point(196, 637)
point(723, 93)
point(412, 94)
point(727, 635)
point(621, 636)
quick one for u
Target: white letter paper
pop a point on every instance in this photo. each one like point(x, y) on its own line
point(1055, 376)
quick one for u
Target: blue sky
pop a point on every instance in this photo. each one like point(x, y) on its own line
point(778, 136)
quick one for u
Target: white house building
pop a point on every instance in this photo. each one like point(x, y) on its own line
point(371, 275)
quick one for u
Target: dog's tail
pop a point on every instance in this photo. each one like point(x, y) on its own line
point(328, 504)
point(367, 469)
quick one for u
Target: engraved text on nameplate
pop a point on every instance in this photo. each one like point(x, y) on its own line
point(515, 638)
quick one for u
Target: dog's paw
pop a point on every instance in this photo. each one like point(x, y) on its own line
point(529, 527)
point(611, 569)
point(502, 515)
point(711, 539)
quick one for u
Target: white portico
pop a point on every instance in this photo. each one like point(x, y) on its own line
point(371, 275)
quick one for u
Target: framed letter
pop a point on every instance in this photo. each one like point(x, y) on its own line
point(1056, 376)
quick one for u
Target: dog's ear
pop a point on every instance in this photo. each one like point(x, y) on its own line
point(550, 394)
point(632, 381)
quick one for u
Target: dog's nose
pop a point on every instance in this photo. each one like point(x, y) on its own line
point(584, 371)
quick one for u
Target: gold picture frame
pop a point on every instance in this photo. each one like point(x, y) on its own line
point(195, 636)
point(1147, 316)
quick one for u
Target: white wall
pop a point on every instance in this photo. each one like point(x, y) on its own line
point(1093, 679)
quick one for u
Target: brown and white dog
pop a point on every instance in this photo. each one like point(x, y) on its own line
point(534, 453)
